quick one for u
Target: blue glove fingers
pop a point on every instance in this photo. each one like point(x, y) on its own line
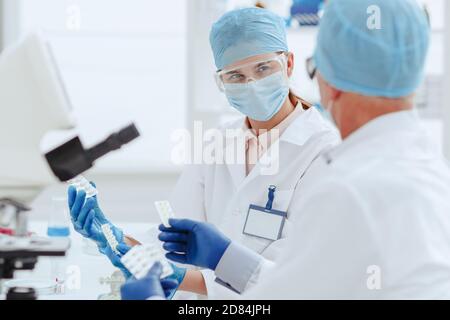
point(71, 195)
point(182, 224)
point(173, 237)
point(95, 186)
point(115, 259)
point(169, 287)
point(178, 273)
point(169, 284)
point(123, 248)
point(127, 274)
point(85, 211)
point(175, 257)
point(165, 229)
point(174, 247)
point(78, 204)
point(88, 222)
point(179, 225)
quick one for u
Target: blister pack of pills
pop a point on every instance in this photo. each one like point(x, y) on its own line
point(81, 183)
point(165, 212)
point(141, 258)
point(110, 238)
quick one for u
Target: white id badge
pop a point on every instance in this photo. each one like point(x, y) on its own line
point(264, 223)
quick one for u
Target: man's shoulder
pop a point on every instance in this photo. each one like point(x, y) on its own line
point(388, 188)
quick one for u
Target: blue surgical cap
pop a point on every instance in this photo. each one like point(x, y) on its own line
point(243, 33)
point(373, 47)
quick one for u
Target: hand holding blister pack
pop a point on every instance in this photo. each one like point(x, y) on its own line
point(141, 258)
point(89, 220)
point(165, 212)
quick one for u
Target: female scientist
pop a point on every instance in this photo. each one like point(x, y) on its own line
point(249, 201)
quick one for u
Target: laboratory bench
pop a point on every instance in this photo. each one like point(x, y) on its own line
point(82, 268)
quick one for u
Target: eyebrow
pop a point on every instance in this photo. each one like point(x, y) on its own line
point(239, 70)
point(232, 72)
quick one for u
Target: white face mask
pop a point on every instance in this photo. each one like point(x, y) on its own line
point(259, 100)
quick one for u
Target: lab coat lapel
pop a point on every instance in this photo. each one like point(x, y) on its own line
point(307, 124)
point(268, 164)
point(234, 154)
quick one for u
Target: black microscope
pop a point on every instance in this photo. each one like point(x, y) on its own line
point(19, 251)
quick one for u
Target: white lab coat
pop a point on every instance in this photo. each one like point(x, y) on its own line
point(372, 220)
point(221, 193)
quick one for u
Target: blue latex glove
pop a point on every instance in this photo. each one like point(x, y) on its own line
point(178, 275)
point(192, 242)
point(87, 217)
point(149, 287)
point(115, 258)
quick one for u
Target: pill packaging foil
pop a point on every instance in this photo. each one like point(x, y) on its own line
point(165, 212)
point(110, 238)
point(141, 258)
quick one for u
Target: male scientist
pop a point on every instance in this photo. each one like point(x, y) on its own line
point(376, 225)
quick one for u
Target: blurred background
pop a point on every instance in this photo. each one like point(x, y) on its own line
point(150, 62)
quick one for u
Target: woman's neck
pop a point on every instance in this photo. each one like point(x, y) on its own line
point(286, 109)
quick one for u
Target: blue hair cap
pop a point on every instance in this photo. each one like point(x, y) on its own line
point(243, 33)
point(373, 47)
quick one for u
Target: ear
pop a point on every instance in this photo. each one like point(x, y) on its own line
point(327, 91)
point(290, 64)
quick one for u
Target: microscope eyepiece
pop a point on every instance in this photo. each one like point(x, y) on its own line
point(71, 159)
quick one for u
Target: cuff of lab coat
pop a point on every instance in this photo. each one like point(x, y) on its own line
point(237, 266)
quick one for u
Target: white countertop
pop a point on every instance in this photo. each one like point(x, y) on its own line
point(89, 267)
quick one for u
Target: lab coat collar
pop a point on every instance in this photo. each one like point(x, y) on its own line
point(307, 124)
point(301, 129)
point(398, 133)
point(234, 153)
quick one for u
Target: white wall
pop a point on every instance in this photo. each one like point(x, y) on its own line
point(126, 61)
point(127, 198)
point(123, 61)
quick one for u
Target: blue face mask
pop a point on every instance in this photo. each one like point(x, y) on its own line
point(259, 100)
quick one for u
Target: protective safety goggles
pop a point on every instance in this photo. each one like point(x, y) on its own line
point(253, 71)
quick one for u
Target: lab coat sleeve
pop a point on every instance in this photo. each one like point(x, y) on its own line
point(188, 197)
point(332, 252)
point(237, 266)
point(219, 291)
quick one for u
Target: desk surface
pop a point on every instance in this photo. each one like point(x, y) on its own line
point(91, 267)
